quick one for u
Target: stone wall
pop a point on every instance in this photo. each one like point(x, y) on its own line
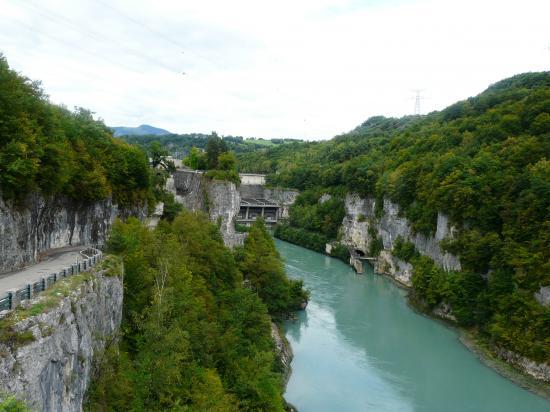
point(47, 223)
point(52, 373)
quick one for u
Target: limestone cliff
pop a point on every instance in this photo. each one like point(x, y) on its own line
point(361, 219)
point(52, 371)
point(220, 199)
point(283, 197)
point(45, 223)
point(361, 223)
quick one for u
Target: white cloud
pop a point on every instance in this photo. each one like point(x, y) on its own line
point(273, 69)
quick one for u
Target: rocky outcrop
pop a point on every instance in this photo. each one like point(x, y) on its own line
point(540, 371)
point(47, 223)
point(543, 295)
point(224, 203)
point(361, 222)
point(52, 371)
point(188, 189)
point(282, 350)
point(283, 197)
point(220, 199)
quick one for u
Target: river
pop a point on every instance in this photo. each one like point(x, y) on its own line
point(359, 347)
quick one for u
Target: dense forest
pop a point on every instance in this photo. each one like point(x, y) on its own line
point(196, 322)
point(180, 145)
point(485, 162)
point(48, 148)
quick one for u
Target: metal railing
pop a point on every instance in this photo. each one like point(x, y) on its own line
point(12, 299)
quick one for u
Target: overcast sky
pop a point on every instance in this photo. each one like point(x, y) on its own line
point(298, 68)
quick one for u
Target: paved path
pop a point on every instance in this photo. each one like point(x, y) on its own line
point(54, 260)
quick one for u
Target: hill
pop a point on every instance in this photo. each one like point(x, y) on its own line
point(485, 163)
point(140, 130)
point(179, 145)
point(47, 148)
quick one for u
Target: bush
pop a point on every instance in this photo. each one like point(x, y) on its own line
point(404, 249)
point(311, 240)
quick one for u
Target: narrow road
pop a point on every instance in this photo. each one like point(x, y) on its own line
point(54, 260)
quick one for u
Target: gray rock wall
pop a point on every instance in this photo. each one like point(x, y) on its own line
point(360, 217)
point(46, 223)
point(53, 372)
point(283, 197)
point(221, 200)
point(187, 189)
point(224, 203)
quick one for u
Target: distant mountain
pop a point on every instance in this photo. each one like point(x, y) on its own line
point(144, 129)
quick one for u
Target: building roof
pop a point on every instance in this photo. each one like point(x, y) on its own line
point(248, 201)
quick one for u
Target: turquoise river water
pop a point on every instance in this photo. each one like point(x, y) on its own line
point(359, 347)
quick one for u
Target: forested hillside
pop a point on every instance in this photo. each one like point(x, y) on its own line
point(48, 148)
point(180, 145)
point(196, 327)
point(485, 162)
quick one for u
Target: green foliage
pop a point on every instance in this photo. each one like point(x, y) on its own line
point(375, 246)
point(227, 175)
point(194, 337)
point(12, 404)
point(485, 163)
point(340, 251)
point(404, 250)
point(195, 159)
point(44, 147)
point(311, 214)
point(311, 240)
point(264, 270)
point(214, 148)
point(159, 156)
point(181, 145)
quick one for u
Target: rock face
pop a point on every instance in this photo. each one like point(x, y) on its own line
point(283, 197)
point(358, 227)
point(188, 189)
point(543, 295)
point(224, 203)
point(283, 350)
point(46, 223)
point(540, 371)
point(52, 373)
point(360, 221)
point(221, 200)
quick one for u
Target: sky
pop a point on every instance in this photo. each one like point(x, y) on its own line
point(280, 69)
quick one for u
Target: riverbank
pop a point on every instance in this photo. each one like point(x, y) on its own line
point(478, 346)
point(484, 353)
point(475, 344)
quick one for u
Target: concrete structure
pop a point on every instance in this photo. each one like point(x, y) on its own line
point(252, 208)
point(252, 179)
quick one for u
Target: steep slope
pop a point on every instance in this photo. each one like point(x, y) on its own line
point(483, 165)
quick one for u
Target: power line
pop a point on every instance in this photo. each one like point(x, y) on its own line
point(93, 35)
point(154, 31)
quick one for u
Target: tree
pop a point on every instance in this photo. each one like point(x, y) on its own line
point(263, 267)
point(214, 148)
